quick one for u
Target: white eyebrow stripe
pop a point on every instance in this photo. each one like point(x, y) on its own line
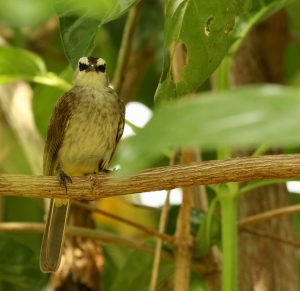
point(84, 60)
point(100, 62)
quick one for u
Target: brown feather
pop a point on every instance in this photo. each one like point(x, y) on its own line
point(56, 131)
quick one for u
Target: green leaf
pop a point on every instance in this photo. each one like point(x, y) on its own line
point(29, 13)
point(45, 99)
point(241, 118)
point(80, 20)
point(18, 64)
point(78, 36)
point(19, 263)
point(209, 232)
point(99, 9)
point(203, 27)
point(136, 273)
point(257, 12)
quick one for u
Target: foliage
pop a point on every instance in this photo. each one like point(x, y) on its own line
point(210, 33)
point(19, 264)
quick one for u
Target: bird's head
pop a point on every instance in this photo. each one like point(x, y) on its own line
point(90, 72)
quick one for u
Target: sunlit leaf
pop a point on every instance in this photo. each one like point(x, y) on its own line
point(19, 64)
point(16, 64)
point(29, 13)
point(241, 118)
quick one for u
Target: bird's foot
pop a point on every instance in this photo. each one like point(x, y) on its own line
point(64, 179)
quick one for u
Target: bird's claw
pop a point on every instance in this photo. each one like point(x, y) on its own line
point(64, 179)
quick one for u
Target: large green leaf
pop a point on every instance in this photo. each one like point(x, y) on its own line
point(19, 263)
point(80, 20)
point(18, 64)
point(203, 27)
point(245, 117)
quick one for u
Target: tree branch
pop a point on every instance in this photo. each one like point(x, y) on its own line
point(103, 237)
point(169, 177)
point(139, 226)
point(267, 215)
point(290, 242)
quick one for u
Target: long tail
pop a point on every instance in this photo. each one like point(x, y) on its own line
point(54, 235)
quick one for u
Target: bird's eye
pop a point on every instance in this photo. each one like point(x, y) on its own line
point(82, 66)
point(101, 68)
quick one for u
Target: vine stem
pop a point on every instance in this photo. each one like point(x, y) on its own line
point(126, 45)
point(162, 227)
point(229, 241)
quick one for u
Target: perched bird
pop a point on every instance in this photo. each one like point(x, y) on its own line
point(85, 128)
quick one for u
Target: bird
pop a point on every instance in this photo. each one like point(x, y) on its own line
point(85, 127)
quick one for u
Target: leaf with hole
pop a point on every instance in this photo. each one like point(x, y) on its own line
point(202, 30)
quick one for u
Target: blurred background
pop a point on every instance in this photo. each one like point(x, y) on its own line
point(31, 41)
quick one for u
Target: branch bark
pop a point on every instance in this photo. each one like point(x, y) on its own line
point(168, 177)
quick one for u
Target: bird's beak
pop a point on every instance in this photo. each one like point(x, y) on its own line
point(91, 68)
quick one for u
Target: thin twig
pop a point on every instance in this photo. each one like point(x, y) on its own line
point(136, 225)
point(159, 244)
point(126, 44)
point(267, 215)
point(201, 173)
point(279, 239)
point(103, 237)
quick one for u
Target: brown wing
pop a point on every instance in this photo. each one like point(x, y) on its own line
point(121, 121)
point(56, 130)
point(122, 115)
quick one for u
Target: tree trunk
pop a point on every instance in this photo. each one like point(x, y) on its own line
point(265, 264)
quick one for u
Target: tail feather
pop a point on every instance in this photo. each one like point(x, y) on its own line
point(54, 236)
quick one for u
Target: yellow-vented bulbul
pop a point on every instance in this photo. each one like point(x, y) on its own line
point(86, 125)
